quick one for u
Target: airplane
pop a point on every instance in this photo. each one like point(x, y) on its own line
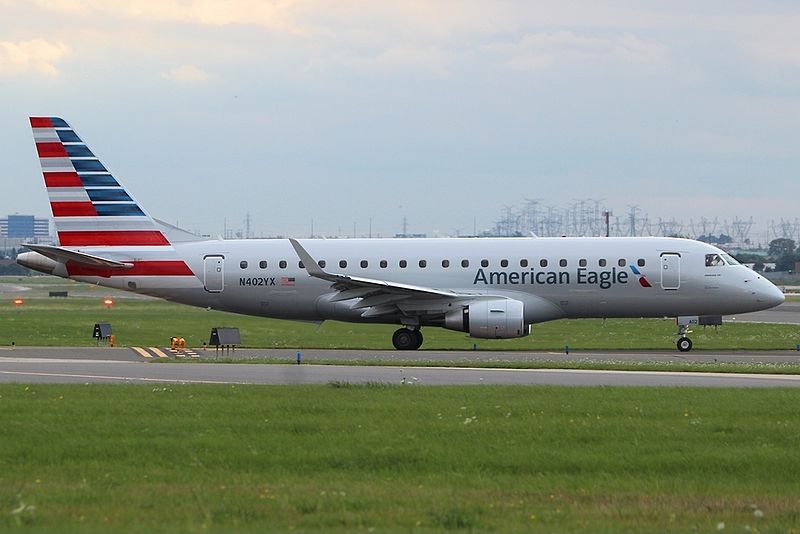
point(489, 288)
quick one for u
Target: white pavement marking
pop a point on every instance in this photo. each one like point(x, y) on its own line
point(120, 378)
point(791, 378)
point(8, 359)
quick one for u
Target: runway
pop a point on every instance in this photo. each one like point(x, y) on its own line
point(46, 366)
point(786, 313)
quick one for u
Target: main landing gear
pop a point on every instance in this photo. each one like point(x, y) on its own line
point(407, 339)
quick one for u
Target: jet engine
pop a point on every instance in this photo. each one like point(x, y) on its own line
point(490, 319)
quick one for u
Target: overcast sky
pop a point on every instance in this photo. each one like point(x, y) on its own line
point(440, 111)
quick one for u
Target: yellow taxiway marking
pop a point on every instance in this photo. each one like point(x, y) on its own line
point(158, 352)
point(141, 352)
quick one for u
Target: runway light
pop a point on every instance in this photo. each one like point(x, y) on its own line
point(108, 303)
point(18, 302)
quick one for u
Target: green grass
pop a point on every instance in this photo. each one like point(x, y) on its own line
point(69, 322)
point(343, 458)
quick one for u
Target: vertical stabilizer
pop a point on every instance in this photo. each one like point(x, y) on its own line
point(90, 206)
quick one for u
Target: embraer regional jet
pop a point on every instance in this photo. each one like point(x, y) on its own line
point(488, 288)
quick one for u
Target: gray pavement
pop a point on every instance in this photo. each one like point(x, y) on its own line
point(408, 357)
point(786, 313)
point(665, 356)
point(41, 369)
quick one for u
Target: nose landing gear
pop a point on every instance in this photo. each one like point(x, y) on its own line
point(684, 344)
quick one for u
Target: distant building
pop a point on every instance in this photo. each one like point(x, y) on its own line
point(16, 230)
point(25, 227)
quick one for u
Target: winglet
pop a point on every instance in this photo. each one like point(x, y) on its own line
point(310, 265)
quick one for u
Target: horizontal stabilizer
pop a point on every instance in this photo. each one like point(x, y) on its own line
point(64, 255)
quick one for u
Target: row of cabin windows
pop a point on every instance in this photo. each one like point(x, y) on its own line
point(446, 263)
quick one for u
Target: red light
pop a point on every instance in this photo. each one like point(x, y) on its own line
point(18, 302)
point(108, 302)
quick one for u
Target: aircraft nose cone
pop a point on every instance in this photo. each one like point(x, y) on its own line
point(770, 294)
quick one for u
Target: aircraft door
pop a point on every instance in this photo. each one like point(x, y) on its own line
point(214, 279)
point(670, 270)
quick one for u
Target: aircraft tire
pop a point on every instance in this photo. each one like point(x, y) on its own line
point(417, 338)
point(684, 344)
point(405, 339)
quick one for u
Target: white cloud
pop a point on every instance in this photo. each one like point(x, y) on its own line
point(541, 50)
point(36, 55)
point(272, 15)
point(185, 73)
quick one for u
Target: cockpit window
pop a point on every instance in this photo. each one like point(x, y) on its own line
point(714, 260)
point(730, 260)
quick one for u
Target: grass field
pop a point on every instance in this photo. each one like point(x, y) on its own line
point(69, 322)
point(342, 458)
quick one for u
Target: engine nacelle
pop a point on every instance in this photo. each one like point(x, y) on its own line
point(490, 319)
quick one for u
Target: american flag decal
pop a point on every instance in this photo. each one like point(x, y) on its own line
point(287, 280)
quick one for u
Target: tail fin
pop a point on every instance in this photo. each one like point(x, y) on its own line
point(90, 206)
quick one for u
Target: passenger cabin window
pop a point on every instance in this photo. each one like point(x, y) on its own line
point(445, 263)
point(403, 264)
point(503, 263)
point(562, 262)
point(602, 262)
point(542, 263)
point(484, 263)
point(582, 262)
point(364, 264)
point(465, 263)
point(321, 264)
point(640, 262)
point(714, 260)
point(342, 264)
point(423, 264)
point(282, 264)
point(300, 264)
point(263, 264)
point(243, 265)
point(621, 262)
point(384, 264)
point(523, 263)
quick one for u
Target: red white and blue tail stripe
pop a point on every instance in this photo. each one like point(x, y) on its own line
point(90, 206)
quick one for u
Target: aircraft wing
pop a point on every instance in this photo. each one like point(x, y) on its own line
point(380, 296)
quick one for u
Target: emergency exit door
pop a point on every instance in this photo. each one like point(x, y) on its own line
point(214, 279)
point(670, 270)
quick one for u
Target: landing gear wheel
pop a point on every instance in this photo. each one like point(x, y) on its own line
point(417, 339)
point(406, 339)
point(684, 344)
